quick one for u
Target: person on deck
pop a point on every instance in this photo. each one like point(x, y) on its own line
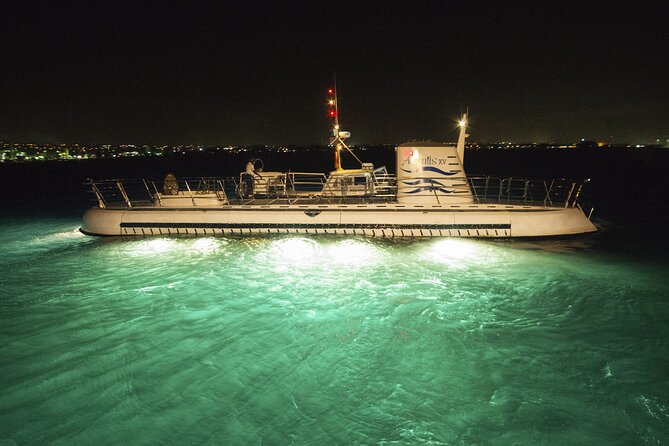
point(249, 178)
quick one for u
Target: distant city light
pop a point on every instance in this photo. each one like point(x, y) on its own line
point(49, 152)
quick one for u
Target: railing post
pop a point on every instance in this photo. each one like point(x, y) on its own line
point(525, 190)
point(470, 182)
point(578, 194)
point(125, 196)
point(571, 190)
point(98, 194)
point(547, 198)
point(160, 201)
point(221, 192)
point(434, 189)
point(147, 188)
point(192, 198)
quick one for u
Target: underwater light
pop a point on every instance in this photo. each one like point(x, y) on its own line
point(352, 252)
point(321, 252)
point(456, 252)
point(206, 245)
point(58, 236)
point(457, 247)
point(154, 246)
point(294, 248)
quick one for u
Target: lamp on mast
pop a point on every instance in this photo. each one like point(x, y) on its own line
point(338, 136)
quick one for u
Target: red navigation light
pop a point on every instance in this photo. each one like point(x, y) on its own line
point(333, 113)
point(330, 91)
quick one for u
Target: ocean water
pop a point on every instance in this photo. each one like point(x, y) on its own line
point(314, 341)
point(318, 341)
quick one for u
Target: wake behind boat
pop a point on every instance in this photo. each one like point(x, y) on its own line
point(430, 196)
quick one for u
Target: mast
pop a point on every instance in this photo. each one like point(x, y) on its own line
point(337, 138)
point(334, 115)
point(461, 139)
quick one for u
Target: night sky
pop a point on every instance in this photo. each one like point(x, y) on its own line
point(248, 72)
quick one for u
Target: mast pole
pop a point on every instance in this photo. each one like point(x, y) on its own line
point(461, 138)
point(338, 136)
point(334, 114)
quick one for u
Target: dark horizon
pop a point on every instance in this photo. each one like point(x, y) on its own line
point(469, 143)
point(257, 73)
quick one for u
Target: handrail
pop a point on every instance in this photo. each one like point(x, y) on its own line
point(119, 184)
point(101, 201)
point(311, 188)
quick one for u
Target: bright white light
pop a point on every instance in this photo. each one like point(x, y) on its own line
point(307, 252)
point(458, 253)
point(154, 246)
point(462, 123)
point(73, 233)
point(199, 246)
point(206, 245)
point(294, 249)
point(457, 247)
point(50, 240)
point(353, 252)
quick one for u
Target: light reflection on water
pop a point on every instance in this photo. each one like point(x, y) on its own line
point(317, 340)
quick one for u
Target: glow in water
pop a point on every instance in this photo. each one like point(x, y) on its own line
point(308, 340)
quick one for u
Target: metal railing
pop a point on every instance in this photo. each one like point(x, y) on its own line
point(553, 193)
point(301, 186)
point(142, 192)
point(288, 185)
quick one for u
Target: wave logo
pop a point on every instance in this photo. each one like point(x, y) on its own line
point(449, 173)
point(434, 169)
point(426, 185)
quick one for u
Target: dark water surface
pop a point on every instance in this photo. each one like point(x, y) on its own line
point(312, 340)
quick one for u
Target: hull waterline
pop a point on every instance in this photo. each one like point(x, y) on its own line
point(368, 220)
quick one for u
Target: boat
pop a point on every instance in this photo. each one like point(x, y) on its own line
point(430, 195)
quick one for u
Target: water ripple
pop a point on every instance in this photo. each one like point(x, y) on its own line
point(312, 340)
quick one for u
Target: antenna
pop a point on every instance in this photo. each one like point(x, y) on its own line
point(333, 111)
point(338, 136)
point(336, 100)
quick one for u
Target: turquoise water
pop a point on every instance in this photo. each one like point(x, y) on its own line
point(308, 340)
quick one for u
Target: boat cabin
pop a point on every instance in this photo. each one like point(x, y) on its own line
point(349, 183)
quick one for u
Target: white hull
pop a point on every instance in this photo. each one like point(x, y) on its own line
point(376, 220)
